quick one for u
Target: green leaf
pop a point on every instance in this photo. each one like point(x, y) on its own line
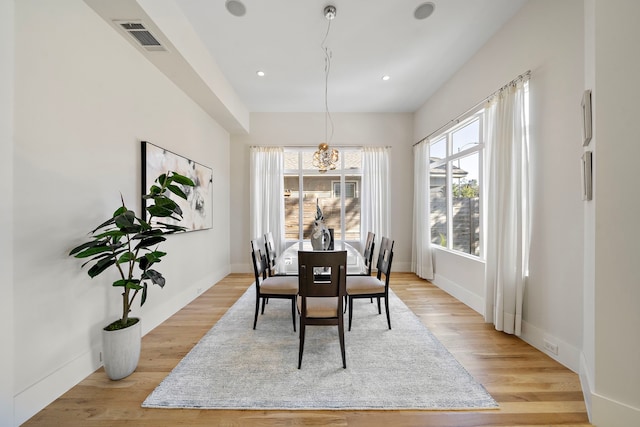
point(93, 251)
point(181, 179)
point(150, 241)
point(144, 263)
point(110, 233)
point(122, 209)
point(101, 266)
point(165, 202)
point(161, 179)
point(177, 191)
point(104, 224)
point(126, 219)
point(126, 257)
point(143, 298)
point(155, 190)
point(87, 245)
point(155, 277)
point(154, 256)
point(172, 228)
point(159, 211)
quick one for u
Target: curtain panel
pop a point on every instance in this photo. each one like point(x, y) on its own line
point(376, 195)
point(507, 201)
point(266, 182)
point(421, 255)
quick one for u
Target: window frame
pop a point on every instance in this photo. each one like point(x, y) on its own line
point(448, 161)
point(340, 170)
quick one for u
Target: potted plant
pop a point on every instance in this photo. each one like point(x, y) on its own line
point(129, 245)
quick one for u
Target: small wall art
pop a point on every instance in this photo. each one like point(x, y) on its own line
point(198, 208)
point(587, 179)
point(586, 118)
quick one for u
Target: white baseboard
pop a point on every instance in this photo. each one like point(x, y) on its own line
point(30, 401)
point(460, 293)
point(611, 413)
point(568, 355)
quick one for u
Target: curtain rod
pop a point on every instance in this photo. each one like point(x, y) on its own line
point(460, 116)
point(315, 147)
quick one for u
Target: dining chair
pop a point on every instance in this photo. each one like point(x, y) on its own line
point(370, 286)
point(322, 287)
point(282, 287)
point(367, 255)
point(272, 255)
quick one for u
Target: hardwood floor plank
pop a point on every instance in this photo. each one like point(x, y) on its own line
point(531, 388)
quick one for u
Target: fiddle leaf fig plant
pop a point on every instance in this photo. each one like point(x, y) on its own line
point(129, 244)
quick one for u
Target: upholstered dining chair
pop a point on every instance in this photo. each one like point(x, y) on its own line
point(283, 287)
point(373, 287)
point(369, 246)
point(367, 255)
point(322, 287)
point(272, 255)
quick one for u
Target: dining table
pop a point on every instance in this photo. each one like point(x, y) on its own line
point(287, 262)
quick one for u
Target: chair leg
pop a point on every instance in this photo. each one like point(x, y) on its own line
point(301, 346)
point(350, 310)
point(386, 306)
point(255, 318)
point(379, 311)
point(341, 335)
point(293, 312)
point(264, 301)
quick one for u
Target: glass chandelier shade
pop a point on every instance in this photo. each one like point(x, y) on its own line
point(325, 159)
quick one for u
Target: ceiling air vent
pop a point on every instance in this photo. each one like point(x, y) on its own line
point(143, 36)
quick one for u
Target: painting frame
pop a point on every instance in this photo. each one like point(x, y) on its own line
point(198, 208)
point(586, 118)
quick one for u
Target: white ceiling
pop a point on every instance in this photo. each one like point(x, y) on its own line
point(368, 39)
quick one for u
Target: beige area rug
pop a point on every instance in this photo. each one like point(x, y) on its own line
point(236, 367)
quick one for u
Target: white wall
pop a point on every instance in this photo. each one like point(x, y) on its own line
point(302, 129)
point(545, 37)
point(6, 210)
point(616, 400)
point(84, 100)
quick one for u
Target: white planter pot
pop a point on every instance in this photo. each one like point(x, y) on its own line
point(121, 351)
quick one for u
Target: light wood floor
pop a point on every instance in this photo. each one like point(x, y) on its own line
point(531, 388)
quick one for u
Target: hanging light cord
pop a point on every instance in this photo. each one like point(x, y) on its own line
point(327, 69)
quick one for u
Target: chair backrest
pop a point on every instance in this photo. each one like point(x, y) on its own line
point(322, 273)
point(385, 257)
point(259, 261)
point(369, 246)
point(270, 251)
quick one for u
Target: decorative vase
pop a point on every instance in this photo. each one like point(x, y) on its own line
point(121, 350)
point(322, 241)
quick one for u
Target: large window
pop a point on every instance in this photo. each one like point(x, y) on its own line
point(456, 185)
point(336, 193)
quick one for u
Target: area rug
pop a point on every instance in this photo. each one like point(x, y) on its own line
point(236, 367)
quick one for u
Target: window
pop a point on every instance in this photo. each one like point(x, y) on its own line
point(456, 186)
point(335, 192)
point(350, 189)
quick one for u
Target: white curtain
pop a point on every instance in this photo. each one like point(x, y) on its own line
point(507, 201)
point(421, 257)
point(266, 183)
point(375, 197)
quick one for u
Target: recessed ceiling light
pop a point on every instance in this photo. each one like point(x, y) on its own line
point(385, 77)
point(260, 73)
point(235, 7)
point(424, 10)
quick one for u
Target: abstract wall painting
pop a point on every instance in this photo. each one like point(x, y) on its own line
point(198, 208)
